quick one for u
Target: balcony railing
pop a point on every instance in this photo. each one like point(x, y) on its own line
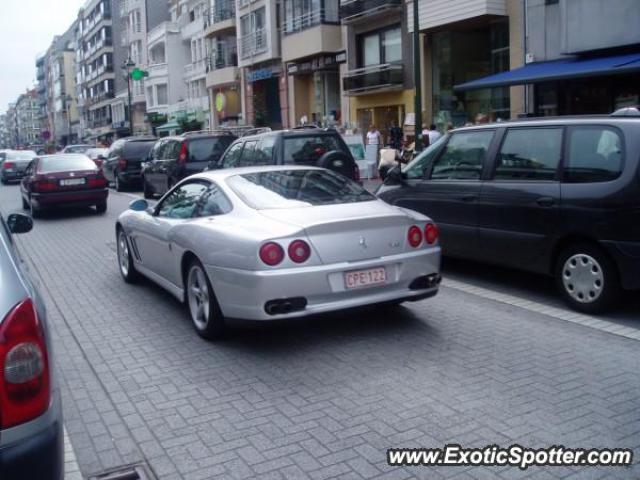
point(254, 43)
point(222, 59)
point(100, 97)
point(99, 122)
point(355, 9)
point(195, 68)
point(375, 77)
point(223, 11)
point(311, 19)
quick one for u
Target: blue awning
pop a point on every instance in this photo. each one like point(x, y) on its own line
point(557, 70)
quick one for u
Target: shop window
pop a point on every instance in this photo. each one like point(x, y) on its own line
point(529, 154)
point(595, 155)
point(380, 47)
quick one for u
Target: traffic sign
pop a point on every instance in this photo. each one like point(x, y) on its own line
point(138, 74)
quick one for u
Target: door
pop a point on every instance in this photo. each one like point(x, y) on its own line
point(248, 154)
point(166, 165)
point(154, 156)
point(519, 205)
point(113, 157)
point(447, 186)
point(152, 237)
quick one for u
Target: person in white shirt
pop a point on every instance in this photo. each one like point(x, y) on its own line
point(434, 134)
point(373, 136)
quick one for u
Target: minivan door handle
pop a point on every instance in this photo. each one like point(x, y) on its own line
point(469, 198)
point(546, 201)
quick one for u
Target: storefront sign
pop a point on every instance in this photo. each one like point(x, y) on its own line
point(261, 74)
point(316, 63)
point(221, 101)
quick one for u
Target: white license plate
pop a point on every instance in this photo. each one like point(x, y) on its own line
point(365, 278)
point(72, 181)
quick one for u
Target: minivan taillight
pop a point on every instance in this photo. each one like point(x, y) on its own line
point(356, 174)
point(7, 165)
point(184, 153)
point(122, 163)
point(25, 390)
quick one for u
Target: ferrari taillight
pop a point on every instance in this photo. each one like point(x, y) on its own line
point(271, 254)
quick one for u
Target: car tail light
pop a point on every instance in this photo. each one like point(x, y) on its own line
point(271, 254)
point(431, 233)
point(97, 182)
point(122, 163)
point(44, 186)
point(414, 236)
point(7, 165)
point(98, 162)
point(299, 251)
point(356, 174)
point(25, 390)
point(182, 158)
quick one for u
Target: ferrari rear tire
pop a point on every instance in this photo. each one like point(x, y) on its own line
point(202, 305)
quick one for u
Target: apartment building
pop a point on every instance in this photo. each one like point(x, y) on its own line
point(41, 91)
point(4, 132)
point(575, 63)
point(12, 126)
point(136, 18)
point(96, 75)
point(264, 81)
point(378, 77)
point(223, 80)
point(27, 119)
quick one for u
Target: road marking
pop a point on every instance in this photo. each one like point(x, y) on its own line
point(559, 313)
point(71, 468)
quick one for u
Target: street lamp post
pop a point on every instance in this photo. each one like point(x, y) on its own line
point(67, 102)
point(417, 77)
point(128, 65)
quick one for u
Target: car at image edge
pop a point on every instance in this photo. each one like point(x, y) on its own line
point(31, 426)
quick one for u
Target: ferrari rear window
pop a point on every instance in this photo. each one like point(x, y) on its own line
point(296, 188)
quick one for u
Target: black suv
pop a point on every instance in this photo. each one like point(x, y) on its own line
point(174, 158)
point(558, 196)
point(305, 146)
point(123, 165)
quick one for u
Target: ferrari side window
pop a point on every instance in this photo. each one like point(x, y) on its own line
point(214, 202)
point(182, 202)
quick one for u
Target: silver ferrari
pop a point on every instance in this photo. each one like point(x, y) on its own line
point(266, 243)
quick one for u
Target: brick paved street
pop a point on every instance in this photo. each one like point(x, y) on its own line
point(319, 398)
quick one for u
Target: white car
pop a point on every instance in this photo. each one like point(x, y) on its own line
point(262, 243)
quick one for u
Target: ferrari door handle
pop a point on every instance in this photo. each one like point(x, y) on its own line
point(546, 201)
point(469, 198)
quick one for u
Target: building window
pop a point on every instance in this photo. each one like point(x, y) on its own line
point(161, 92)
point(254, 35)
point(150, 99)
point(380, 47)
point(301, 14)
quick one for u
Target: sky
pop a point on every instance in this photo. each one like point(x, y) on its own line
point(27, 28)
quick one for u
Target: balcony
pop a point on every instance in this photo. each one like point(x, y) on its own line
point(99, 122)
point(190, 29)
point(222, 68)
point(355, 10)
point(220, 19)
point(311, 34)
point(93, 49)
point(194, 70)
point(253, 44)
point(159, 70)
point(387, 76)
point(100, 97)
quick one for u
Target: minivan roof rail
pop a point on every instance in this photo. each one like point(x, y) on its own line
point(256, 131)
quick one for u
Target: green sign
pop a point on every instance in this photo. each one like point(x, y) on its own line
point(137, 74)
point(221, 101)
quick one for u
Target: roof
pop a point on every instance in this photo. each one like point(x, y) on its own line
point(225, 173)
point(564, 120)
point(575, 67)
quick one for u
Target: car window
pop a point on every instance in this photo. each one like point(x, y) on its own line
point(182, 202)
point(214, 202)
point(156, 151)
point(246, 159)
point(463, 156)
point(64, 163)
point(419, 166)
point(206, 149)
point(232, 157)
point(116, 149)
point(137, 150)
point(264, 153)
point(529, 154)
point(171, 150)
point(308, 149)
point(595, 155)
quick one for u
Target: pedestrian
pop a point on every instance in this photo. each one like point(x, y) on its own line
point(433, 134)
point(373, 136)
point(374, 141)
point(395, 136)
point(482, 118)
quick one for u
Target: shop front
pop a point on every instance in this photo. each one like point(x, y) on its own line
point(382, 110)
point(226, 105)
point(266, 97)
point(316, 90)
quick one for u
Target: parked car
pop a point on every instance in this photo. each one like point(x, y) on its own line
point(31, 426)
point(98, 155)
point(175, 158)
point(76, 148)
point(123, 165)
point(316, 147)
point(263, 243)
point(554, 196)
point(14, 165)
point(63, 180)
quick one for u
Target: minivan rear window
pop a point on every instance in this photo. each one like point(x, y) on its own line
point(205, 149)
point(307, 150)
point(595, 155)
point(138, 150)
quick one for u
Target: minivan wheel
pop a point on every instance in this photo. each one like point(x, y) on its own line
point(203, 307)
point(146, 189)
point(587, 278)
point(118, 183)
